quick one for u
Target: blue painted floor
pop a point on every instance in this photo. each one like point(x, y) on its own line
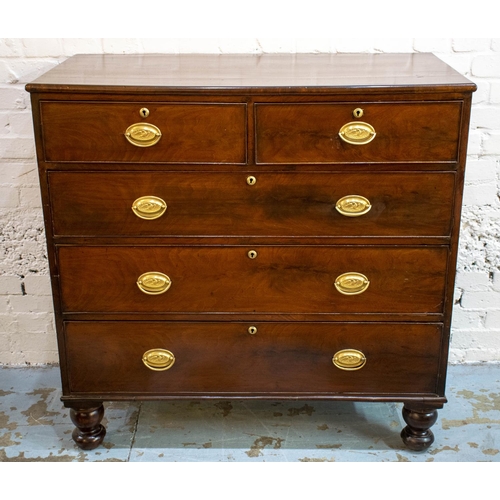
point(35, 427)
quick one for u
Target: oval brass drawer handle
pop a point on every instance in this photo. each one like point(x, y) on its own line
point(153, 283)
point(149, 207)
point(349, 359)
point(158, 359)
point(351, 283)
point(357, 133)
point(353, 205)
point(143, 135)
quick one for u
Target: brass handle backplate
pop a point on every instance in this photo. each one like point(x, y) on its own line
point(158, 359)
point(357, 133)
point(153, 283)
point(149, 207)
point(351, 283)
point(353, 205)
point(349, 359)
point(143, 134)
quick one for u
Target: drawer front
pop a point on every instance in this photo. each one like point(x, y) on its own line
point(404, 132)
point(286, 279)
point(280, 358)
point(190, 133)
point(221, 204)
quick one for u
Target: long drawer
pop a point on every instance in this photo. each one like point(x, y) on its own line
point(285, 204)
point(188, 132)
point(278, 359)
point(401, 132)
point(270, 279)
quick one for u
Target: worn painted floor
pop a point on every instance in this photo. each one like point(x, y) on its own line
point(35, 427)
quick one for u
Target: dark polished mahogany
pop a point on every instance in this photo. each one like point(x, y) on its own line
point(251, 167)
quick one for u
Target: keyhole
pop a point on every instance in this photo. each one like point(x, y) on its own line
point(357, 113)
point(251, 180)
point(144, 112)
point(252, 254)
point(252, 330)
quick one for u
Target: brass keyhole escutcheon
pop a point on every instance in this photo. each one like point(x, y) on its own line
point(251, 180)
point(357, 113)
point(252, 254)
point(252, 330)
point(144, 112)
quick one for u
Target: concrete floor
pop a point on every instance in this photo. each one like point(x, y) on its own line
point(35, 427)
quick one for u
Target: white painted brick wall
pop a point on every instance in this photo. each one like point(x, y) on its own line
point(26, 322)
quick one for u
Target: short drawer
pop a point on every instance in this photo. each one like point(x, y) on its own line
point(262, 279)
point(278, 359)
point(223, 204)
point(404, 132)
point(189, 132)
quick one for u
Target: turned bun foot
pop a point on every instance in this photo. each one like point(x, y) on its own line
point(89, 432)
point(417, 434)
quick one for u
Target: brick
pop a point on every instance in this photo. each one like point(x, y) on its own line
point(160, 45)
point(31, 197)
point(72, 46)
point(4, 344)
point(273, 45)
point(465, 320)
point(34, 322)
point(13, 97)
point(495, 92)
point(17, 123)
point(393, 44)
point(21, 123)
point(352, 44)
point(473, 280)
point(24, 70)
point(432, 44)
point(6, 73)
point(31, 304)
point(41, 47)
point(9, 197)
point(121, 45)
point(37, 285)
point(34, 342)
point(17, 147)
point(8, 324)
point(481, 300)
point(496, 280)
point(480, 355)
point(486, 65)
point(475, 142)
point(307, 45)
point(35, 357)
point(10, 285)
point(481, 171)
point(470, 44)
point(487, 117)
point(493, 320)
point(459, 62)
point(491, 143)
point(482, 94)
point(10, 47)
point(5, 303)
point(12, 172)
point(480, 194)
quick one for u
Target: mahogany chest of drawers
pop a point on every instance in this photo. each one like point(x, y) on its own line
point(240, 226)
